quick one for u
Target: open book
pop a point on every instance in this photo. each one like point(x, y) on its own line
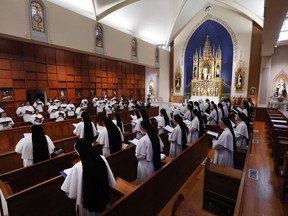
point(169, 128)
point(134, 141)
point(158, 118)
point(213, 134)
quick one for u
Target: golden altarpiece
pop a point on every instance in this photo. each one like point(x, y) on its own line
point(207, 71)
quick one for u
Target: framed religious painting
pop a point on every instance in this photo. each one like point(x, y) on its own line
point(63, 93)
point(92, 92)
point(6, 94)
point(78, 93)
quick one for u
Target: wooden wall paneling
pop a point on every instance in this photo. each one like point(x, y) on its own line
point(104, 80)
point(20, 94)
point(78, 78)
point(42, 84)
point(69, 58)
point(70, 85)
point(98, 92)
point(51, 69)
point(41, 76)
point(15, 50)
point(98, 73)
point(115, 79)
point(97, 63)
point(52, 93)
point(5, 64)
point(17, 65)
point(40, 54)
point(5, 74)
point(4, 48)
point(30, 66)
point(84, 61)
point(51, 55)
point(78, 71)
point(85, 72)
point(71, 94)
point(109, 93)
point(92, 73)
point(98, 80)
point(70, 70)
point(85, 93)
point(60, 57)
point(6, 83)
point(41, 68)
point(19, 83)
point(60, 69)
point(110, 85)
point(103, 64)
point(53, 84)
point(61, 77)
point(52, 77)
point(120, 92)
point(70, 78)
point(77, 57)
point(62, 84)
point(103, 73)
point(104, 85)
point(30, 75)
point(31, 84)
point(78, 85)
point(28, 52)
point(85, 79)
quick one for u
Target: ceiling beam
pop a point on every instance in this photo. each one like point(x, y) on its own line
point(174, 21)
point(114, 8)
point(243, 10)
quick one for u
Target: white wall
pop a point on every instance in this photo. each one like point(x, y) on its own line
point(239, 25)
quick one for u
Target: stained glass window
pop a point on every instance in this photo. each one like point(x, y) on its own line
point(37, 16)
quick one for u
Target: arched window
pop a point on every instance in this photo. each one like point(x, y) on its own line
point(37, 19)
point(37, 15)
point(99, 35)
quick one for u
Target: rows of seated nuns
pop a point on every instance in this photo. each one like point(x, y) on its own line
point(276, 129)
point(186, 134)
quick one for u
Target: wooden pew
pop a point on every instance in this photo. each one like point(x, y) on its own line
point(284, 188)
point(10, 160)
point(221, 186)
point(123, 165)
point(281, 146)
point(152, 194)
point(26, 177)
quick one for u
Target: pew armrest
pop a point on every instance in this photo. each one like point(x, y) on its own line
point(6, 189)
point(123, 186)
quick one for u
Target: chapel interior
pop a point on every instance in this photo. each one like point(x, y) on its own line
point(165, 52)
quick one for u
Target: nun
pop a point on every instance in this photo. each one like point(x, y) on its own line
point(35, 147)
point(89, 181)
point(110, 137)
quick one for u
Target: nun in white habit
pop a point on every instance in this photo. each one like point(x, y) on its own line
point(178, 137)
point(241, 132)
point(148, 152)
point(35, 147)
point(89, 181)
point(225, 145)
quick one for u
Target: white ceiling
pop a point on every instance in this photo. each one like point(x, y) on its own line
point(159, 21)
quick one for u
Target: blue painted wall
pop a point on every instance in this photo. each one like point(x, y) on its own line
point(217, 35)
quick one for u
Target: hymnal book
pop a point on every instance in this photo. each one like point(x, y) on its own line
point(5, 122)
point(278, 121)
point(158, 118)
point(134, 141)
point(213, 134)
point(187, 122)
point(61, 114)
point(169, 128)
point(38, 119)
point(53, 110)
point(66, 172)
point(239, 109)
point(26, 135)
point(234, 111)
point(28, 112)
